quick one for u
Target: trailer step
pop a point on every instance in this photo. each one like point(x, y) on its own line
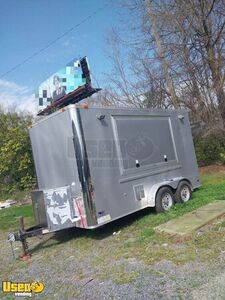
point(189, 223)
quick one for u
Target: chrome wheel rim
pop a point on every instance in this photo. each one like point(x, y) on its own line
point(167, 201)
point(185, 194)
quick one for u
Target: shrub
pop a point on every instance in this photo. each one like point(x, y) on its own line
point(210, 149)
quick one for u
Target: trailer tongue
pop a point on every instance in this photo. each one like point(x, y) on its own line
point(21, 236)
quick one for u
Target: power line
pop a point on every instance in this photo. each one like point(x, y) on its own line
point(52, 42)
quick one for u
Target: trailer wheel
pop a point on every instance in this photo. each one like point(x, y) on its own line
point(164, 199)
point(183, 192)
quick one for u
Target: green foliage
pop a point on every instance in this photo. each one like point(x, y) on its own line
point(9, 217)
point(210, 149)
point(16, 168)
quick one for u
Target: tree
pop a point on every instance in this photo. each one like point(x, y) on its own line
point(176, 56)
point(16, 167)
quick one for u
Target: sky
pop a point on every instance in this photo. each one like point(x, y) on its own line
point(27, 26)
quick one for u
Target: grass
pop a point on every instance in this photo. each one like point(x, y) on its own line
point(17, 195)
point(9, 217)
point(138, 239)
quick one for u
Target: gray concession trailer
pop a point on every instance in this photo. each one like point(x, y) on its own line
point(95, 165)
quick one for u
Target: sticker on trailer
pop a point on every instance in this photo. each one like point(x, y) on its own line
point(60, 213)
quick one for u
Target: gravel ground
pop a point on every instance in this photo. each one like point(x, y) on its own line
point(71, 273)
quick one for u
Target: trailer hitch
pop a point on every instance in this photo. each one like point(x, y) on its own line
point(21, 236)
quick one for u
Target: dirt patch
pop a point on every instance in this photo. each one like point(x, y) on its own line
point(24, 201)
point(212, 169)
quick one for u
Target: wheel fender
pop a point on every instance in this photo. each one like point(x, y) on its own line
point(154, 189)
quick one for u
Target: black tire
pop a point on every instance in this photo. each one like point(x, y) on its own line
point(164, 199)
point(183, 192)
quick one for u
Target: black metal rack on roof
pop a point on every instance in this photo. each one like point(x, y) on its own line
point(82, 92)
point(79, 94)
